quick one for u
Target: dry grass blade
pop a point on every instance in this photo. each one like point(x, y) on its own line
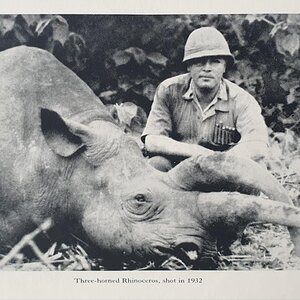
point(174, 263)
point(150, 265)
point(247, 258)
point(47, 224)
point(51, 250)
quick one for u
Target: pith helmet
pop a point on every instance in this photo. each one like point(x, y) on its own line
point(206, 41)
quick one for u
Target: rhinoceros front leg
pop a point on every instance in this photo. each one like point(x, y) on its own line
point(223, 211)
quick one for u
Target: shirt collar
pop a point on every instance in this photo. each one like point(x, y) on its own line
point(221, 95)
point(189, 94)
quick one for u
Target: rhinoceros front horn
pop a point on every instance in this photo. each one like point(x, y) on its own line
point(223, 172)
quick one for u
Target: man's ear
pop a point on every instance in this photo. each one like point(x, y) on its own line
point(188, 66)
point(225, 65)
point(64, 137)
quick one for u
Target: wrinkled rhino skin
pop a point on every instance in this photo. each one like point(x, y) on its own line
point(62, 156)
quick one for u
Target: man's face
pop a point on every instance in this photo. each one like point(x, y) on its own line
point(207, 72)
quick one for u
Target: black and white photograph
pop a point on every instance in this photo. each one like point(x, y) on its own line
point(149, 142)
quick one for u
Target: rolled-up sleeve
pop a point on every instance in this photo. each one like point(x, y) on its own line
point(159, 121)
point(250, 122)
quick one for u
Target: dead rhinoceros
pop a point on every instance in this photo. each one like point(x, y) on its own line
point(62, 156)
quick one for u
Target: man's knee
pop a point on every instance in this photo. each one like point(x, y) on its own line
point(160, 163)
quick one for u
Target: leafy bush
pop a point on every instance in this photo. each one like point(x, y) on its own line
point(141, 51)
point(124, 57)
point(49, 32)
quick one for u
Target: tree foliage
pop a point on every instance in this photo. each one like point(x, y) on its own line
point(124, 57)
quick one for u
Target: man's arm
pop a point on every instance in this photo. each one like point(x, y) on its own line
point(163, 145)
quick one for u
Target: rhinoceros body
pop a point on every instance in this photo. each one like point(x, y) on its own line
point(62, 156)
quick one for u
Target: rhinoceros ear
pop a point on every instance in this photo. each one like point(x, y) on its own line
point(58, 134)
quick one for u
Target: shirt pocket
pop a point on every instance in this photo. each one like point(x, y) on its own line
point(186, 119)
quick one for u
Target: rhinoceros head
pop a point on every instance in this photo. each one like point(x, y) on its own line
point(125, 206)
point(128, 208)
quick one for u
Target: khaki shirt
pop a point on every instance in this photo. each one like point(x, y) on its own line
point(176, 113)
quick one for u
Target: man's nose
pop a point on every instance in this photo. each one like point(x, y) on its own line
point(207, 65)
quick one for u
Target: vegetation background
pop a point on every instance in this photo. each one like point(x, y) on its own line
point(124, 57)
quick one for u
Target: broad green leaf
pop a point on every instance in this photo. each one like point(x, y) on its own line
point(287, 43)
point(157, 58)
point(59, 28)
point(138, 54)
point(121, 58)
point(7, 23)
point(126, 112)
point(32, 20)
point(149, 91)
point(125, 84)
point(294, 95)
point(290, 98)
point(251, 18)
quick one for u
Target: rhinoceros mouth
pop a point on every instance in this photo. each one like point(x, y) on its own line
point(187, 252)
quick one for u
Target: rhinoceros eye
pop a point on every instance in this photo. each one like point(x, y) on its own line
point(140, 198)
point(138, 205)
